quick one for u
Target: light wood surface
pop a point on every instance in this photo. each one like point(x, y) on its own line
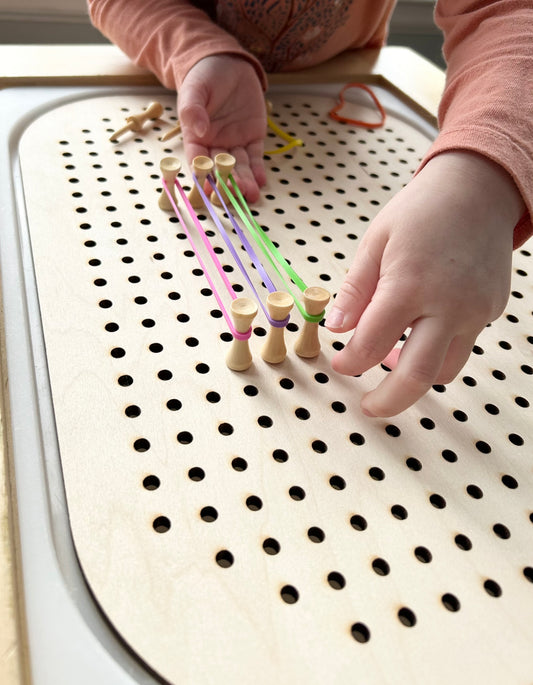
point(420, 84)
point(290, 537)
point(12, 638)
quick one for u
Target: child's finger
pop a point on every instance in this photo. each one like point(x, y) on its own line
point(355, 292)
point(194, 120)
point(419, 365)
point(458, 354)
point(379, 328)
point(244, 173)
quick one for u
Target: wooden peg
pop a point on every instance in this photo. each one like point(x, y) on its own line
point(170, 167)
point(137, 121)
point(201, 166)
point(279, 305)
point(224, 164)
point(173, 132)
point(315, 300)
point(243, 311)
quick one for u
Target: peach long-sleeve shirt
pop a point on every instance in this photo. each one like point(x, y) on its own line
point(487, 105)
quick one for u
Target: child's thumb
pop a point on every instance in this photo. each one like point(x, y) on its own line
point(194, 118)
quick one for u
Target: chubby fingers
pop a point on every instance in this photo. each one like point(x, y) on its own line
point(428, 356)
point(249, 172)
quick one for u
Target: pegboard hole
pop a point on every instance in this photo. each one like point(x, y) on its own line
point(399, 512)
point(196, 474)
point(161, 524)
point(316, 534)
point(224, 558)
point(151, 482)
point(423, 554)
point(338, 407)
point(450, 602)
point(381, 567)
point(413, 464)
point(302, 413)
point(337, 482)
point(174, 404)
point(336, 580)
point(280, 456)
point(132, 411)
point(319, 446)
point(357, 439)
point(376, 473)
point(463, 542)
point(358, 522)
point(289, 594)
point(407, 617)
point(141, 445)
point(437, 501)
point(474, 491)
point(501, 531)
point(208, 514)
point(254, 503)
point(509, 482)
point(360, 632)
point(492, 588)
point(225, 428)
point(449, 456)
point(271, 546)
point(239, 464)
point(184, 438)
point(297, 493)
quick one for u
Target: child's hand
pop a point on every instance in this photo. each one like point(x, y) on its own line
point(221, 108)
point(436, 259)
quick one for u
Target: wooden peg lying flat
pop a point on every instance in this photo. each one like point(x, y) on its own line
point(315, 300)
point(136, 121)
point(279, 305)
point(173, 132)
point(243, 311)
point(224, 163)
point(201, 166)
point(170, 167)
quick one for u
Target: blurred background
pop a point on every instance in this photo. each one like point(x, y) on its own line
point(66, 21)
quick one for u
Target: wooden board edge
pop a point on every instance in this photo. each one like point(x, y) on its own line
point(408, 75)
point(14, 662)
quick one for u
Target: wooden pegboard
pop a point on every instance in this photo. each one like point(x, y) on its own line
point(257, 525)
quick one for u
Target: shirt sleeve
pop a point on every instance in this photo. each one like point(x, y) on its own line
point(487, 105)
point(168, 37)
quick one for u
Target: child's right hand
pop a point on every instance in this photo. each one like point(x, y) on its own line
point(221, 108)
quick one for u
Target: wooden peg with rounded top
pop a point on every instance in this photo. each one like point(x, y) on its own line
point(243, 311)
point(224, 163)
point(135, 122)
point(170, 167)
point(315, 300)
point(201, 167)
point(279, 305)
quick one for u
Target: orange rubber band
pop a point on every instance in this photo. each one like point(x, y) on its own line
point(333, 113)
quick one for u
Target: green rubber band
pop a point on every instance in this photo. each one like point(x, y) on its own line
point(267, 246)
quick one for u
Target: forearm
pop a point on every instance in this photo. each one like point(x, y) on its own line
point(166, 36)
point(487, 106)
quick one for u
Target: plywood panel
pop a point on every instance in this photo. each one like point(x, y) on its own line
point(237, 526)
